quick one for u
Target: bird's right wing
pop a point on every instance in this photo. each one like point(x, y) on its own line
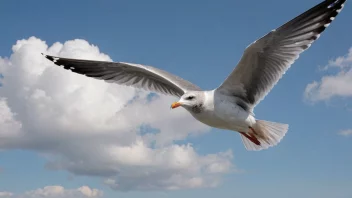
point(129, 74)
point(266, 60)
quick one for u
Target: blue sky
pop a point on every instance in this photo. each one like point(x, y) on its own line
point(197, 40)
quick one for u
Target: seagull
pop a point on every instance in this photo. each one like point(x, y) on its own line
point(229, 106)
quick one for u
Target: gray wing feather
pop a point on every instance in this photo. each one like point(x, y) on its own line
point(129, 74)
point(266, 60)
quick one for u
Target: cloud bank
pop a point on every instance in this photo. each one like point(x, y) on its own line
point(334, 85)
point(56, 192)
point(89, 127)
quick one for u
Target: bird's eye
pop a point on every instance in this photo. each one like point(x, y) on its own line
point(189, 97)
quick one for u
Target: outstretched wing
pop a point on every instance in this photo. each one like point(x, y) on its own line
point(139, 76)
point(266, 60)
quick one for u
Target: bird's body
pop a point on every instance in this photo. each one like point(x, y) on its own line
point(230, 106)
point(220, 112)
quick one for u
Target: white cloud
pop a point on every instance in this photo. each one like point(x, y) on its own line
point(56, 192)
point(89, 127)
point(347, 132)
point(9, 126)
point(5, 194)
point(336, 85)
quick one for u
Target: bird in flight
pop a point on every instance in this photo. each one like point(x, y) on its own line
point(229, 106)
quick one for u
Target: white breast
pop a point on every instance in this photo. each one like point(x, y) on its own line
point(222, 113)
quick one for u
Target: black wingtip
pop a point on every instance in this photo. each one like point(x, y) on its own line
point(51, 58)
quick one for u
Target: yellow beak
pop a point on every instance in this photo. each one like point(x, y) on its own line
point(175, 105)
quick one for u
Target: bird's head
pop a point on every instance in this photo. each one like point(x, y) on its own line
point(192, 101)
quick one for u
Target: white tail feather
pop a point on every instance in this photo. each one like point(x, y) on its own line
point(271, 132)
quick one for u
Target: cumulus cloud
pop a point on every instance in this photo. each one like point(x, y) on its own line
point(56, 192)
point(347, 132)
point(9, 126)
point(334, 85)
point(89, 127)
point(5, 194)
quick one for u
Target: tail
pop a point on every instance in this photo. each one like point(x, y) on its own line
point(267, 134)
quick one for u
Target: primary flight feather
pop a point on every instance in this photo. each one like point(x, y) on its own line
point(229, 106)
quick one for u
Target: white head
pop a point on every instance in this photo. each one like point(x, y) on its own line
point(192, 101)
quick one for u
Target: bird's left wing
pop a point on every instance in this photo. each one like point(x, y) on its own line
point(129, 74)
point(266, 60)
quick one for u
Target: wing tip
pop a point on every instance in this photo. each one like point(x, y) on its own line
point(46, 56)
point(51, 58)
point(336, 6)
